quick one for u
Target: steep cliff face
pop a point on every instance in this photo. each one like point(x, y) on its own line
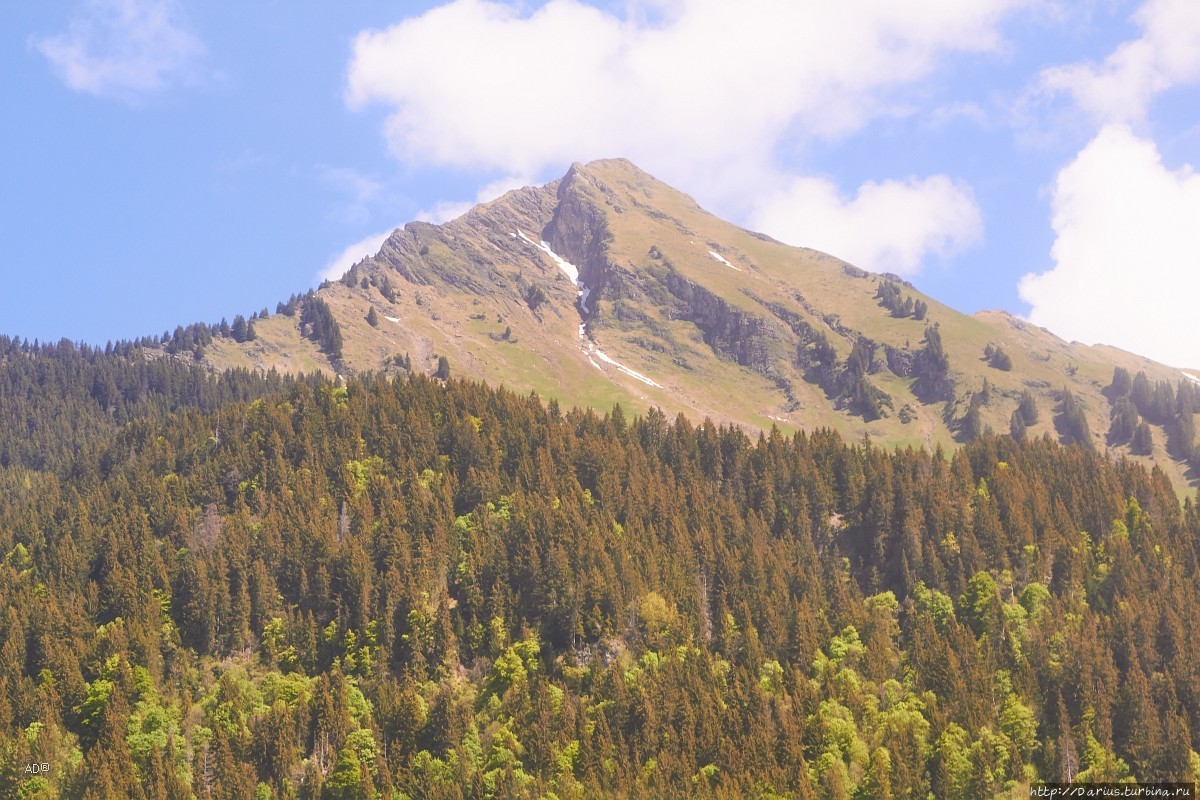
point(578, 230)
point(731, 332)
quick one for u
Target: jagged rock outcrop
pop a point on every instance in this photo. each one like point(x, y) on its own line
point(467, 253)
point(731, 332)
point(579, 232)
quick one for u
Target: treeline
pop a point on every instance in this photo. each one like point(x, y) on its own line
point(403, 589)
point(892, 297)
point(847, 383)
point(191, 338)
point(932, 368)
point(354, 278)
point(61, 402)
point(316, 321)
point(1025, 415)
point(1137, 404)
point(59, 399)
point(195, 337)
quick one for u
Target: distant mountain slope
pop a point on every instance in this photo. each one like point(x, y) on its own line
point(609, 286)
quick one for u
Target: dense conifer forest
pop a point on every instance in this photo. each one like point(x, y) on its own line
point(244, 587)
point(60, 403)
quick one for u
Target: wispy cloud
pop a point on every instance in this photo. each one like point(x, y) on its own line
point(244, 161)
point(359, 192)
point(964, 112)
point(338, 264)
point(124, 49)
point(1122, 86)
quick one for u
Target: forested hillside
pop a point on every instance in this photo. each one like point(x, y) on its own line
point(62, 403)
point(399, 588)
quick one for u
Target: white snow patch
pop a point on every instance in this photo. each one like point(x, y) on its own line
point(567, 267)
point(600, 354)
point(391, 319)
point(589, 347)
point(1191, 377)
point(720, 258)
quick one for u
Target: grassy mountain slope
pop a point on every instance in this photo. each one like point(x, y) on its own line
point(720, 321)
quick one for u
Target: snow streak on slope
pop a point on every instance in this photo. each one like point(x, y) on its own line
point(600, 354)
point(567, 267)
point(588, 346)
point(718, 257)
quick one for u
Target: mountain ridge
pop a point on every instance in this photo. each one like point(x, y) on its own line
point(695, 315)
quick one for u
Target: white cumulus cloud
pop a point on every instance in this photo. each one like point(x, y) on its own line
point(705, 94)
point(1127, 253)
point(485, 84)
point(366, 247)
point(886, 227)
point(1121, 88)
point(123, 49)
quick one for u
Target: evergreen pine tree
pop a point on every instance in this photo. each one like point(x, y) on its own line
point(1016, 426)
point(1028, 408)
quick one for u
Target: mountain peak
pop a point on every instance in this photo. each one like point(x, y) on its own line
point(602, 165)
point(609, 286)
point(619, 177)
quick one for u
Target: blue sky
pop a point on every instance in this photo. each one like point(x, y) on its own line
point(169, 161)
